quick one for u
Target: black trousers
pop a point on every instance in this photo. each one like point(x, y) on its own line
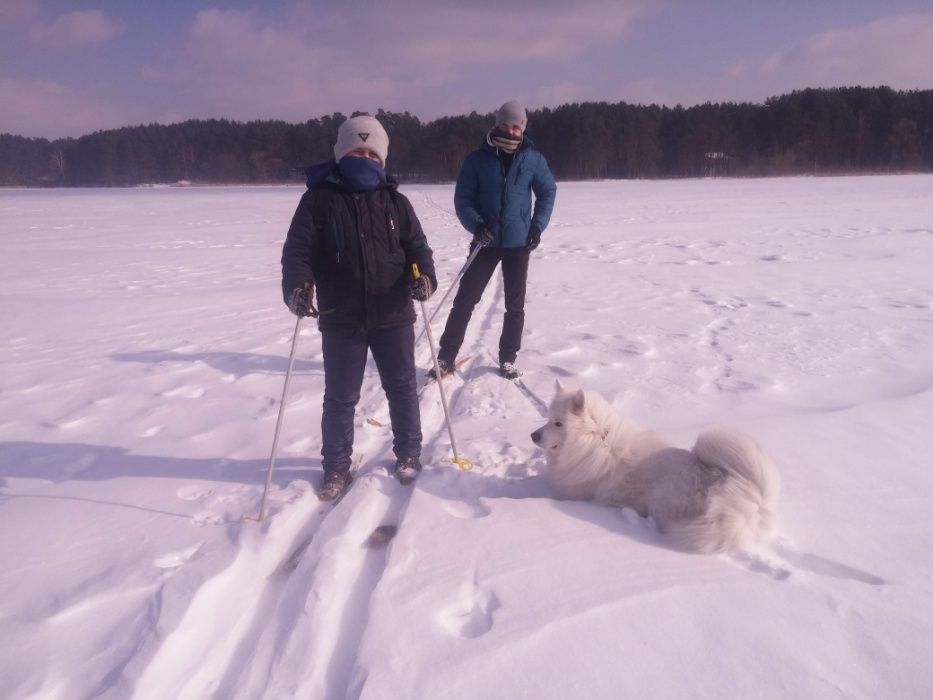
point(345, 352)
point(472, 284)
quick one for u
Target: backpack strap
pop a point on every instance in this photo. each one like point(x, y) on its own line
point(401, 211)
point(325, 221)
point(318, 211)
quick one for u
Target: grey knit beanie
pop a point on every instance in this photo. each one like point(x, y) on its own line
point(362, 131)
point(513, 113)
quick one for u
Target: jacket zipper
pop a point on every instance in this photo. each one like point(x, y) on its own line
point(505, 181)
point(516, 166)
point(362, 236)
point(338, 239)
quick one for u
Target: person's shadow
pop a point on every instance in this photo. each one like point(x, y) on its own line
point(58, 462)
point(238, 364)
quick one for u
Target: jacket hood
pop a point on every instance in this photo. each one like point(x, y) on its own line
point(316, 174)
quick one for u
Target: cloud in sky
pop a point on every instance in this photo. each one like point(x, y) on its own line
point(79, 28)
point(459, 33)
point(895, 51)
point(18, 10)
point(296, 60)
point(892, 51)
point(320, 60)
point(41, 108)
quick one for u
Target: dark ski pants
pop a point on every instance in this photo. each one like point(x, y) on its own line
point(472, 284)
point(345, 352)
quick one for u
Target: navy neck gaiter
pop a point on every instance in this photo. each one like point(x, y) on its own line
point(361, 174)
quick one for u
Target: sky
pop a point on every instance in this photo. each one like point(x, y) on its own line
point(144, 346)
point(71, 68)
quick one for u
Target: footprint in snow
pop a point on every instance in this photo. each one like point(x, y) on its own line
point(80, 465)
point(759, 564)
point(381, 536)
point(566, 351)
point(185, 392)
point(173, 560)
point(466, 509)
point(633, 348)
point(235, 496)
point(194, 493)
point(69, 424)
point(471, 615)
point(207, 518)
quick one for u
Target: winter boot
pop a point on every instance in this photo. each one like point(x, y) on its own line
point(407, 469)
point(509, 371)
point(447, 368)
point(335, 483)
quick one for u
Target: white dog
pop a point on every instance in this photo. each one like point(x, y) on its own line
point(721, 495)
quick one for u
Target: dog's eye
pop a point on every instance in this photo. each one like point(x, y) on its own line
point(558, 424)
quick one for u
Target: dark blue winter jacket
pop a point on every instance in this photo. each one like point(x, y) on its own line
point(358, 249)
point(486, 194)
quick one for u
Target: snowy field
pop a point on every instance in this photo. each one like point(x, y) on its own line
point(144, 345)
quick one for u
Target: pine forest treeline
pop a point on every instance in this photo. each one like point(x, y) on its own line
point(813, 131)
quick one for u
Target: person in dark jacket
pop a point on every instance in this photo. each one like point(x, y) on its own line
point(493, 200)
point(351, 244)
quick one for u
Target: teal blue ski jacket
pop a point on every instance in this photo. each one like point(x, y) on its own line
point(486, 194)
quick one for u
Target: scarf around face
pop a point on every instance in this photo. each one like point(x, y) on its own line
point(361, 174)
point(503, 140)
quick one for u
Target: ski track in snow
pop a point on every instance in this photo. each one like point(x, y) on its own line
point(278, 584)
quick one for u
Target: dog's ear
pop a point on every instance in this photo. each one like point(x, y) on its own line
point(558, 386)
point(579, 402)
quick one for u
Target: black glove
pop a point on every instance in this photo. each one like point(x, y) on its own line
point(482, 235)
point(300, 303)
point(421, 289)
point(534, 238)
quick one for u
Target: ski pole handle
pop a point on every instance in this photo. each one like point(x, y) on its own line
point(414, 271)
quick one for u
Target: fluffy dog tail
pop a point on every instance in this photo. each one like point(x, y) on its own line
point(742, 507)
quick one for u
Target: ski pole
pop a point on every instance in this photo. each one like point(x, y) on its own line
point(469, 261)
point(461, 462)
point(278, 424)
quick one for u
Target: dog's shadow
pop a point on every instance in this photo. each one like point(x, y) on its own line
point(621, 521)
point(464, 494)
point(820, 565)
point(777, 559)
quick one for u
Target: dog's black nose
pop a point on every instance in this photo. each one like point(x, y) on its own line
point(536, 437)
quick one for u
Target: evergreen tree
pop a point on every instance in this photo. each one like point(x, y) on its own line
point(811, 131)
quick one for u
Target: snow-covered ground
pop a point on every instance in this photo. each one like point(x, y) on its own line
point(144, 345)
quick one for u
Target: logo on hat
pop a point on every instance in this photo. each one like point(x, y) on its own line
point(364, 137)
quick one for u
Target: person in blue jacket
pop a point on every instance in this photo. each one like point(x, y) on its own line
point(493, 200)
